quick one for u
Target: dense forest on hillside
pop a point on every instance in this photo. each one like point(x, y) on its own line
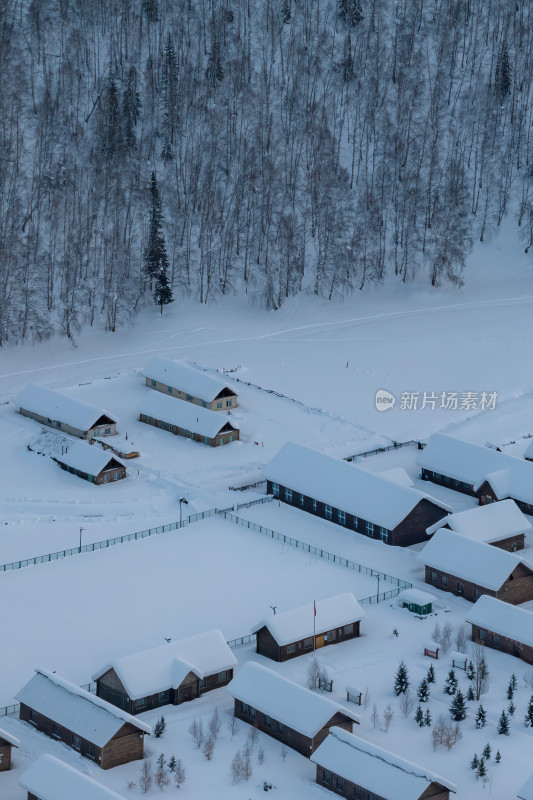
point(265, 147)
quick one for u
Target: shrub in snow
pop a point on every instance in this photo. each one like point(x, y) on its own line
point(450, 685)
point(445, 733)
point(527, 677)
point(237, 767)
point(446, 637)
point(233, 725)
point(261, 756)
point(437, 634)
point(179, 773)
point(253, 736)
point(487, 752)
point(395, 632)
point(197, 732)
point(146, 777)
point(215, 725)
point(430, 677)
point(423, 691)
point(503, 725)
point(481, 677)
point(313, 674)
point(159, 727)
point(511, 689)
point(374, 717)
point(497, 757)
point(401, 680)
point(528, 719)
point(460, 638)
point(284, 752)
point(511, 708)
point(458, 707)
point(172, 763)
point(470, 694)
point(481, 717)
point(161, 761)
point(419, 717)
point(427, 718)
point(388, 715)
point(161, 779)
point(481, 769)
point(407, 703)
point(470, 671)
point(209, 747)
point(475, 762)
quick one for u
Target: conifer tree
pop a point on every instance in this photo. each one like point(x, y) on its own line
point(159, 727)
point(450, 686)
point(111, 142)
point(172, 763)
point(351, 12)
point(286, 12)
point(151, 9)
point(511, 708)
point(511, 689)
point(214, 72)
point(423, 691)
point(475, 762)
point(419, 717)
point(170, 96)
point(427, 718)
point(131, 108)
point(470, 671)
point(470, 694)
point(487, 752)
point(481, 717)
point(497, 757)
point(163, 291)
point(503, 725)
point(528, 719)
point(401, 681)
point(430, 677)
point(155, 254)
point(458, 707)
point(503, 73)
point(481, 768)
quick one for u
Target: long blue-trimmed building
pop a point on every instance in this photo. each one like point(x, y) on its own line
point(374, 505)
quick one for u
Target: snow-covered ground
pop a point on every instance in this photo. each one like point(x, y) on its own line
point(75, 614)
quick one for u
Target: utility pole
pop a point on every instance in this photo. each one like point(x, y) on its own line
point(182, 500)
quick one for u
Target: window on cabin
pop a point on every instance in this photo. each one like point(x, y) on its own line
point(169, 389)
point(184, 432)
point(106, 478)
point(291, 648)
point(90, 478)
point(302, 499)
point(275, 489)
point(58, 424)
point(202, 683)
point(280, 727)
point(148, 419)
point(482, 634)
point(308, 642)
point(222, 440)
point(163, 697)
point(162, 424)
point(107, 431)
point(328, 511)
point(229, 403)
point(268, 721)
point(91, 750)
point(230, 439)
point(369, 528)
point(222, 676)
point(355, 523)
point(188, 397)
point(141, 702)
point(341, 517)
point(56, 730)
point(219, 405)
point(115, 476)
point(326, 776)
point(444, 580)
point(152, 382)
point(348, 628)
point(339, 783)
point(288, 495)
point(460, 588)
point(1, 758)
point(204, 404)
point(384, 534)
point(206, 440)
point(76, 741)
point(496, 640)
point(433, 576)
point(314, 505)
point(330, 636)
point(33, 717)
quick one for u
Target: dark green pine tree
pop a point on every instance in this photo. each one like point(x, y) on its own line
point(401, 680)
point(481, 768)
point(511, 689)
point(163, 290)
point(528, 719)
point(475, 762)
point(286, 12)
point(351, 12)
point(458, 707)
point(419, 717)
point(470, 694)
point(511, 708)
point(503, 725)
point(348, 69)
point(423, 691)
point(450, 686)
point(151, 9)
point(111, 142)
point(487, 752)
point(481, 717)
point(470, 671)
point(497, 757)
point(170, 96)
point(427, 718)
point(214, 72)
point(430, 677)
point(155, 254)
point(172, 763)
point(131, 108)
point(503, 74)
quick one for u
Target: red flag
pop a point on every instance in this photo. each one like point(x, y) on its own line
point(314, 607)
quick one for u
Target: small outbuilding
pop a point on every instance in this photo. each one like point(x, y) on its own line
point(500, 524)
point(378, 506)
point(48, 778)
point(186, 382)
point(288, 634)
point(417, 601)
point(7, 742)
point(169, 674)
point(88, 724)
point(288, 712)
point(65, 413)
point(503, 627)
point(470, 569)
point(87, 461)
point(355, 768)
point(185, 419)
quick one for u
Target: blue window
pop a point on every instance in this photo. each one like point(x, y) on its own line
point(107, 431)
point(204, 404)
point(302, 499)
point(184, 432)
point(153, 382)
point(314, 505)
point(341, 517)
point(169, 389)
point(384, 534)
point(275, 489)
point(328, 511)
point(58, 424)
point(355, 522)
point(170, 427)
point(288, 495)
point(148, 419)
point(206, 440)
point(90, 478)
point(228, 403)
point(219, 405)
point(369, 528)
point(188, 397)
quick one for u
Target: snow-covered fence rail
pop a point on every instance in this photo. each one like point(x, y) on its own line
point(105, 543)
point(318, 551)
point(393, 446)
point(241, 640)
point(246, 486)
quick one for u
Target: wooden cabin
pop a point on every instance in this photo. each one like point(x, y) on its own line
point(293, 633)
point(89, 462)
point(482, 472)
point(65, 414)
point(364, 502)
point(288, 712)
point(186, 382)
point(500, 524)
point(359, 770)
point(170, 674)
point(503, 627)
point(470, 569)
point(48, 778)
point(184, 419)
point(96, 729)
point(7, 743)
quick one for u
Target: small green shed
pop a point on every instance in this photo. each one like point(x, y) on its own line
point(417, 601)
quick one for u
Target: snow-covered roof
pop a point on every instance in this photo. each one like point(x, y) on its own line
point(181, 375)
point(283, 700)
point(184, 415)
point(526, 792)
point(73, 452)
point(48, 778)
point(472, 561)
point(508, 475)
point(502, 618)
point(397, 474)
point(55, 406)
point(375, 769)
point(8, 737)
point(298, 623)
point(76, 709)
point(417, 596)
point(345, 486)
point(164, 667)
point(488, 523)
